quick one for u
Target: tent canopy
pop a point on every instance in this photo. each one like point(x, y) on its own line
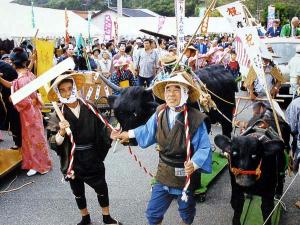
point(130, 26)
point(17, 22)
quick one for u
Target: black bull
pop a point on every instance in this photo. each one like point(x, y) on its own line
point(135, 105)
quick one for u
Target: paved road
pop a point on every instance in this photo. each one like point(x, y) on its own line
point(48, 201)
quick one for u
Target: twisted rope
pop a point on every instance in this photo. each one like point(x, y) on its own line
point(188, 151)
point(139, 162)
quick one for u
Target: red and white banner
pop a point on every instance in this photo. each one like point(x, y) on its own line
point(235, 14)
point(107, 28)
point(241, 54)
point(180, 14)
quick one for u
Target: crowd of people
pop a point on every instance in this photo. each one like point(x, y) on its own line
point(130, 63)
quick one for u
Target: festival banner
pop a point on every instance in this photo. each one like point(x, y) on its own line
point(271, 16)
point(235, 14)
point(161, 22)
point(45, 53)
point(32, 15)
point(180, 14)
point(107, 28)
point(67, 38)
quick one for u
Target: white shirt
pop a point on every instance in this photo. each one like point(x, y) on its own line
point(60, 139)
point(105, 65)
point(294, 68)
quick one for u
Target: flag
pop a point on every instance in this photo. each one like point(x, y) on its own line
point(45, 53)
point(161, 22)
point(204, 27)
point(32, 15)
point(67, 38)
point(180, 14)
point(241, 54)
point(89, 26)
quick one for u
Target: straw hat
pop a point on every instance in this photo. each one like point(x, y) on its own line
point(79, 81)
point(191, 47)
point(168, 59)
point(177, 78)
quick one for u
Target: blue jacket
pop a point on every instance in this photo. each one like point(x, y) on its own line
point(202, 48)
point(272, 33)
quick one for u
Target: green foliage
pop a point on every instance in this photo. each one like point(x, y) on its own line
point(285, 9)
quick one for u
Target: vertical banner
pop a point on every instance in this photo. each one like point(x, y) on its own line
point(89, 27)
point(180, 14)
point(107, 28)
point(116, 30)
point(161, 22)
point(32, 15)
point(45, 52)
point(235, 14)
point(271, 15)
point(67, 38)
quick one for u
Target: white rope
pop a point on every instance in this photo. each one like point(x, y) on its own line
point(280, 200)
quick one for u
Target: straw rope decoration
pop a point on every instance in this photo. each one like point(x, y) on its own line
point(188, 151)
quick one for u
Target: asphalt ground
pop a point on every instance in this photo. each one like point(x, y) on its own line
point(48, 201)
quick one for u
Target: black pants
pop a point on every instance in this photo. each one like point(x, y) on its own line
point(89, 169)
point(13, 118)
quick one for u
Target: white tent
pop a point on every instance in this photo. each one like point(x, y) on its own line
point(130, 26)
point(17, 22)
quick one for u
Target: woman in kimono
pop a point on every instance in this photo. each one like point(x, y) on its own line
point(35, 155)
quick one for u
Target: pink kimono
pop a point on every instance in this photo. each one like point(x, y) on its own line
point(34, 145)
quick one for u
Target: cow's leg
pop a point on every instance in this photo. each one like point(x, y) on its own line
point(237, 202)
point(267, 206)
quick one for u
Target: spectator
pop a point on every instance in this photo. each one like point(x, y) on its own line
point(275, 30)
point(147, 64)
point(105, 64)
point(292, 29)
point(200, 45)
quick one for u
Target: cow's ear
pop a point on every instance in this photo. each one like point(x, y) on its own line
point(223, 142)
point(272, 147)
point(111, 100)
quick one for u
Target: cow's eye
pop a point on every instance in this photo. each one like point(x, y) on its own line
point(234, 153)
point(253, 156)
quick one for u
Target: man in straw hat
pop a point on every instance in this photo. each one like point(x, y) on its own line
point(92, 143)
point(174, 127)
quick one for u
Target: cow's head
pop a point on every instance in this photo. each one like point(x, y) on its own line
point(246, 154)
point(133, 107)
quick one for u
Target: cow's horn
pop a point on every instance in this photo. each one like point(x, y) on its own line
point(109, 83)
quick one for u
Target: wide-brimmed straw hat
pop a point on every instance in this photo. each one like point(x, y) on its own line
point(168, 60)
point(176, 78)
point(77, 77)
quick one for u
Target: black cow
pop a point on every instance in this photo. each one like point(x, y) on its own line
point(255, 163)
point(134, 106)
